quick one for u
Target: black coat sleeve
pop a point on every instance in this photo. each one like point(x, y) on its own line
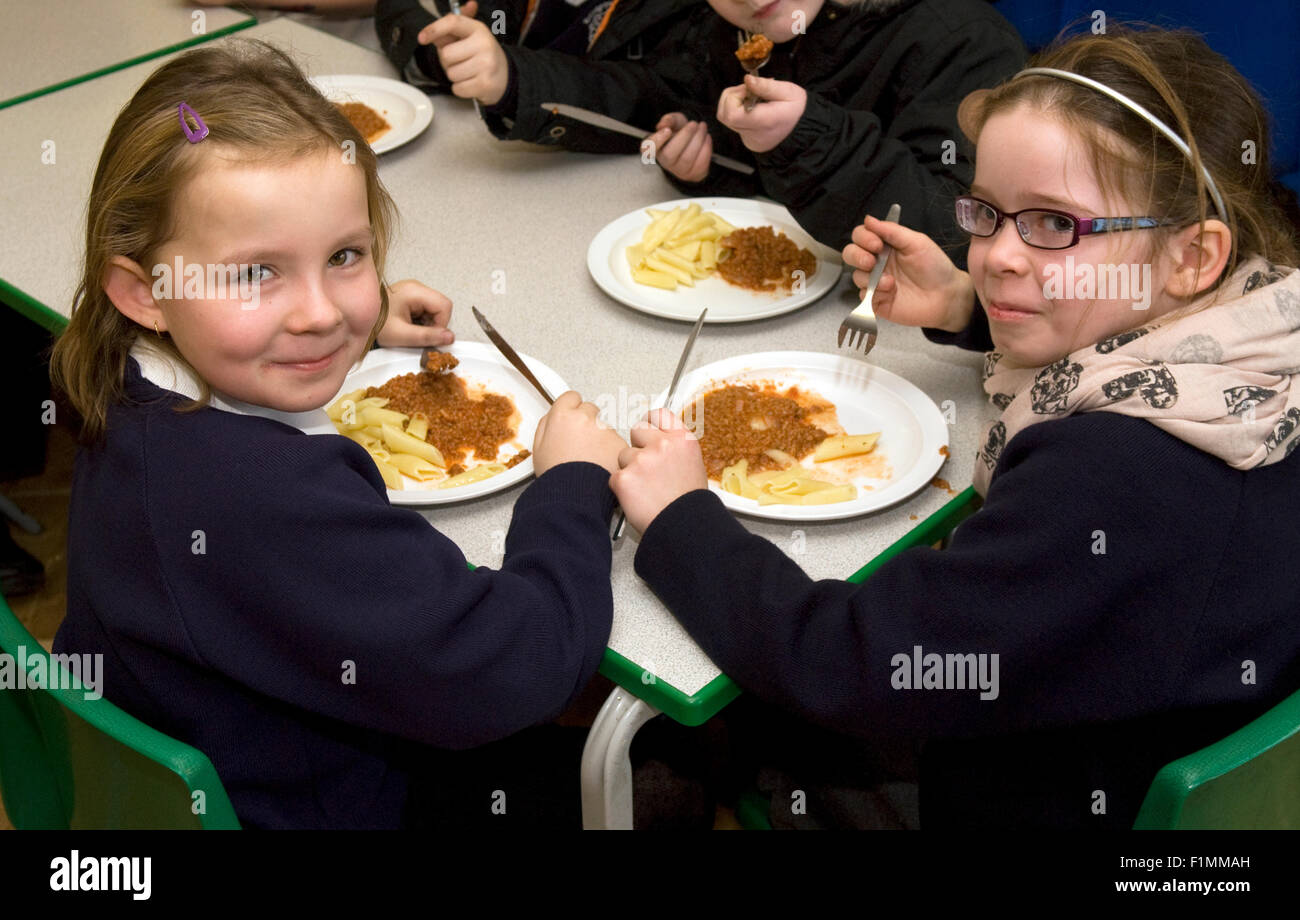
point(975, 337)
point(636, 93)
point(1073, 628)
point(398, 24)
point(840, 163)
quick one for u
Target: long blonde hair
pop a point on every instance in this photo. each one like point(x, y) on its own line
point(256, 103)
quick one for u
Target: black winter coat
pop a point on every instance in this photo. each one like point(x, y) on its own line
point(884, 81)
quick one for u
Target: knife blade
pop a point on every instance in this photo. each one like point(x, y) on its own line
point(598, 120)
point(672, 390)
point(510, 354)
point(681, 362)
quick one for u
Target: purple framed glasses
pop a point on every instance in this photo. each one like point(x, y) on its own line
point(1043, 228)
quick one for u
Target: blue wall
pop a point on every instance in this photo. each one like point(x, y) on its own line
point(1260, 37)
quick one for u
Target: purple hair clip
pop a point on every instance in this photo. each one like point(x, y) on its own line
point(193, 135)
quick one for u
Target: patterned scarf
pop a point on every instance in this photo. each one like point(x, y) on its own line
point(1222, 379)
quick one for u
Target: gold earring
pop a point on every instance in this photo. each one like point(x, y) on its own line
point(155, 329)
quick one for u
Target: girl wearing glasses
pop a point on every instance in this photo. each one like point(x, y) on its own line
point(1133, 564)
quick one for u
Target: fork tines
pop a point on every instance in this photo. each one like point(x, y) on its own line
point(862, 321)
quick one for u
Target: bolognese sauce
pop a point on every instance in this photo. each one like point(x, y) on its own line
point(741, 422)
point(458, 421)
point(762, 259)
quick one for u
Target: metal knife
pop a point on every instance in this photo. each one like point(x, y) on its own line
point(511, 355)
point(609, 124)
point(668, 400)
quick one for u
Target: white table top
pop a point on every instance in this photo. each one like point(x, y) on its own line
point(471, 205)
point(43, 44)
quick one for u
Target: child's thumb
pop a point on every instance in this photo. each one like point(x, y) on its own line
point(894, 234)
point(469, 9)
point(768, 87)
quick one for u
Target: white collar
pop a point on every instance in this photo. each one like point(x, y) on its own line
point(160, 369)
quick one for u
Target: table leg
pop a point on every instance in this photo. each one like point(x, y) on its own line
point(606, 764)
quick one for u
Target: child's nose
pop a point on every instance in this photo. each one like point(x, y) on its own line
point(1007, 251)
point(314, 309)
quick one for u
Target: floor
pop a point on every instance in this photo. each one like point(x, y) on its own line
point(45, 497)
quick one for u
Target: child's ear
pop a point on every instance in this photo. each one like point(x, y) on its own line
point(1200, 253)
point(130, 288)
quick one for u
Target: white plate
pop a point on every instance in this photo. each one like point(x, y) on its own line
point(408, 110)
point(866, 397)
point(726, 303)
point(481, 364)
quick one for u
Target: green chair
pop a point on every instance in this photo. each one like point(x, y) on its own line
point(71, 762)
point(1249, 780)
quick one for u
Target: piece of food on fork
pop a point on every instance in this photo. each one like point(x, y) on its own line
point(753, 53)
point(437, 362)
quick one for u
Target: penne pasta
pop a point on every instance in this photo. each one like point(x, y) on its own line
point(417, 467)
point(678, 247)
point(345, 404)
point(373, 415)
point(845, 445)
point(654, 279)
point(793, 486)
point(400, 441)
point(473, 474)
point(397, 443)
point(417, 427)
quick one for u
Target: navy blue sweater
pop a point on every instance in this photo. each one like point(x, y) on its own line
point(1110, 663)
point(255, 595)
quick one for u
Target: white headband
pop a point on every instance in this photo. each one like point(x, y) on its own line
point(1137, 110)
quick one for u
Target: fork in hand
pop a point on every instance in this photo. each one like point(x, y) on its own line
point(863, 319)
point(742, 38)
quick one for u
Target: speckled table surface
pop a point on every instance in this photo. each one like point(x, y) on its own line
point(46, 44)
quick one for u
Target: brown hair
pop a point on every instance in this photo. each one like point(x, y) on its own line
point(257, 104)
point(1179, 79)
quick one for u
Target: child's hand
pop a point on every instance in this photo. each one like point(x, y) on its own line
point(920, 286)
point(470, 54)
point(779, 109)
point(663, 464)
point(417, 317)
point(682, 147)
point(571, 431)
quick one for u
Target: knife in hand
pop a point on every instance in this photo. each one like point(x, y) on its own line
point(586, 116)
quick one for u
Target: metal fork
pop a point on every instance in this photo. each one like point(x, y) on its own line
point(863, 319)
point(750, 99)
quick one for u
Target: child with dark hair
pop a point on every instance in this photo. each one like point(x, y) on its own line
point(857, 105)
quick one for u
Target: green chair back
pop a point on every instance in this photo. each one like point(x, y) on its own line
point(71, 762)
point(1249, 780)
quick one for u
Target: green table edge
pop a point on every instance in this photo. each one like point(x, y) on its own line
point(32, 308)
point(698, 708)
point(111, 68)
